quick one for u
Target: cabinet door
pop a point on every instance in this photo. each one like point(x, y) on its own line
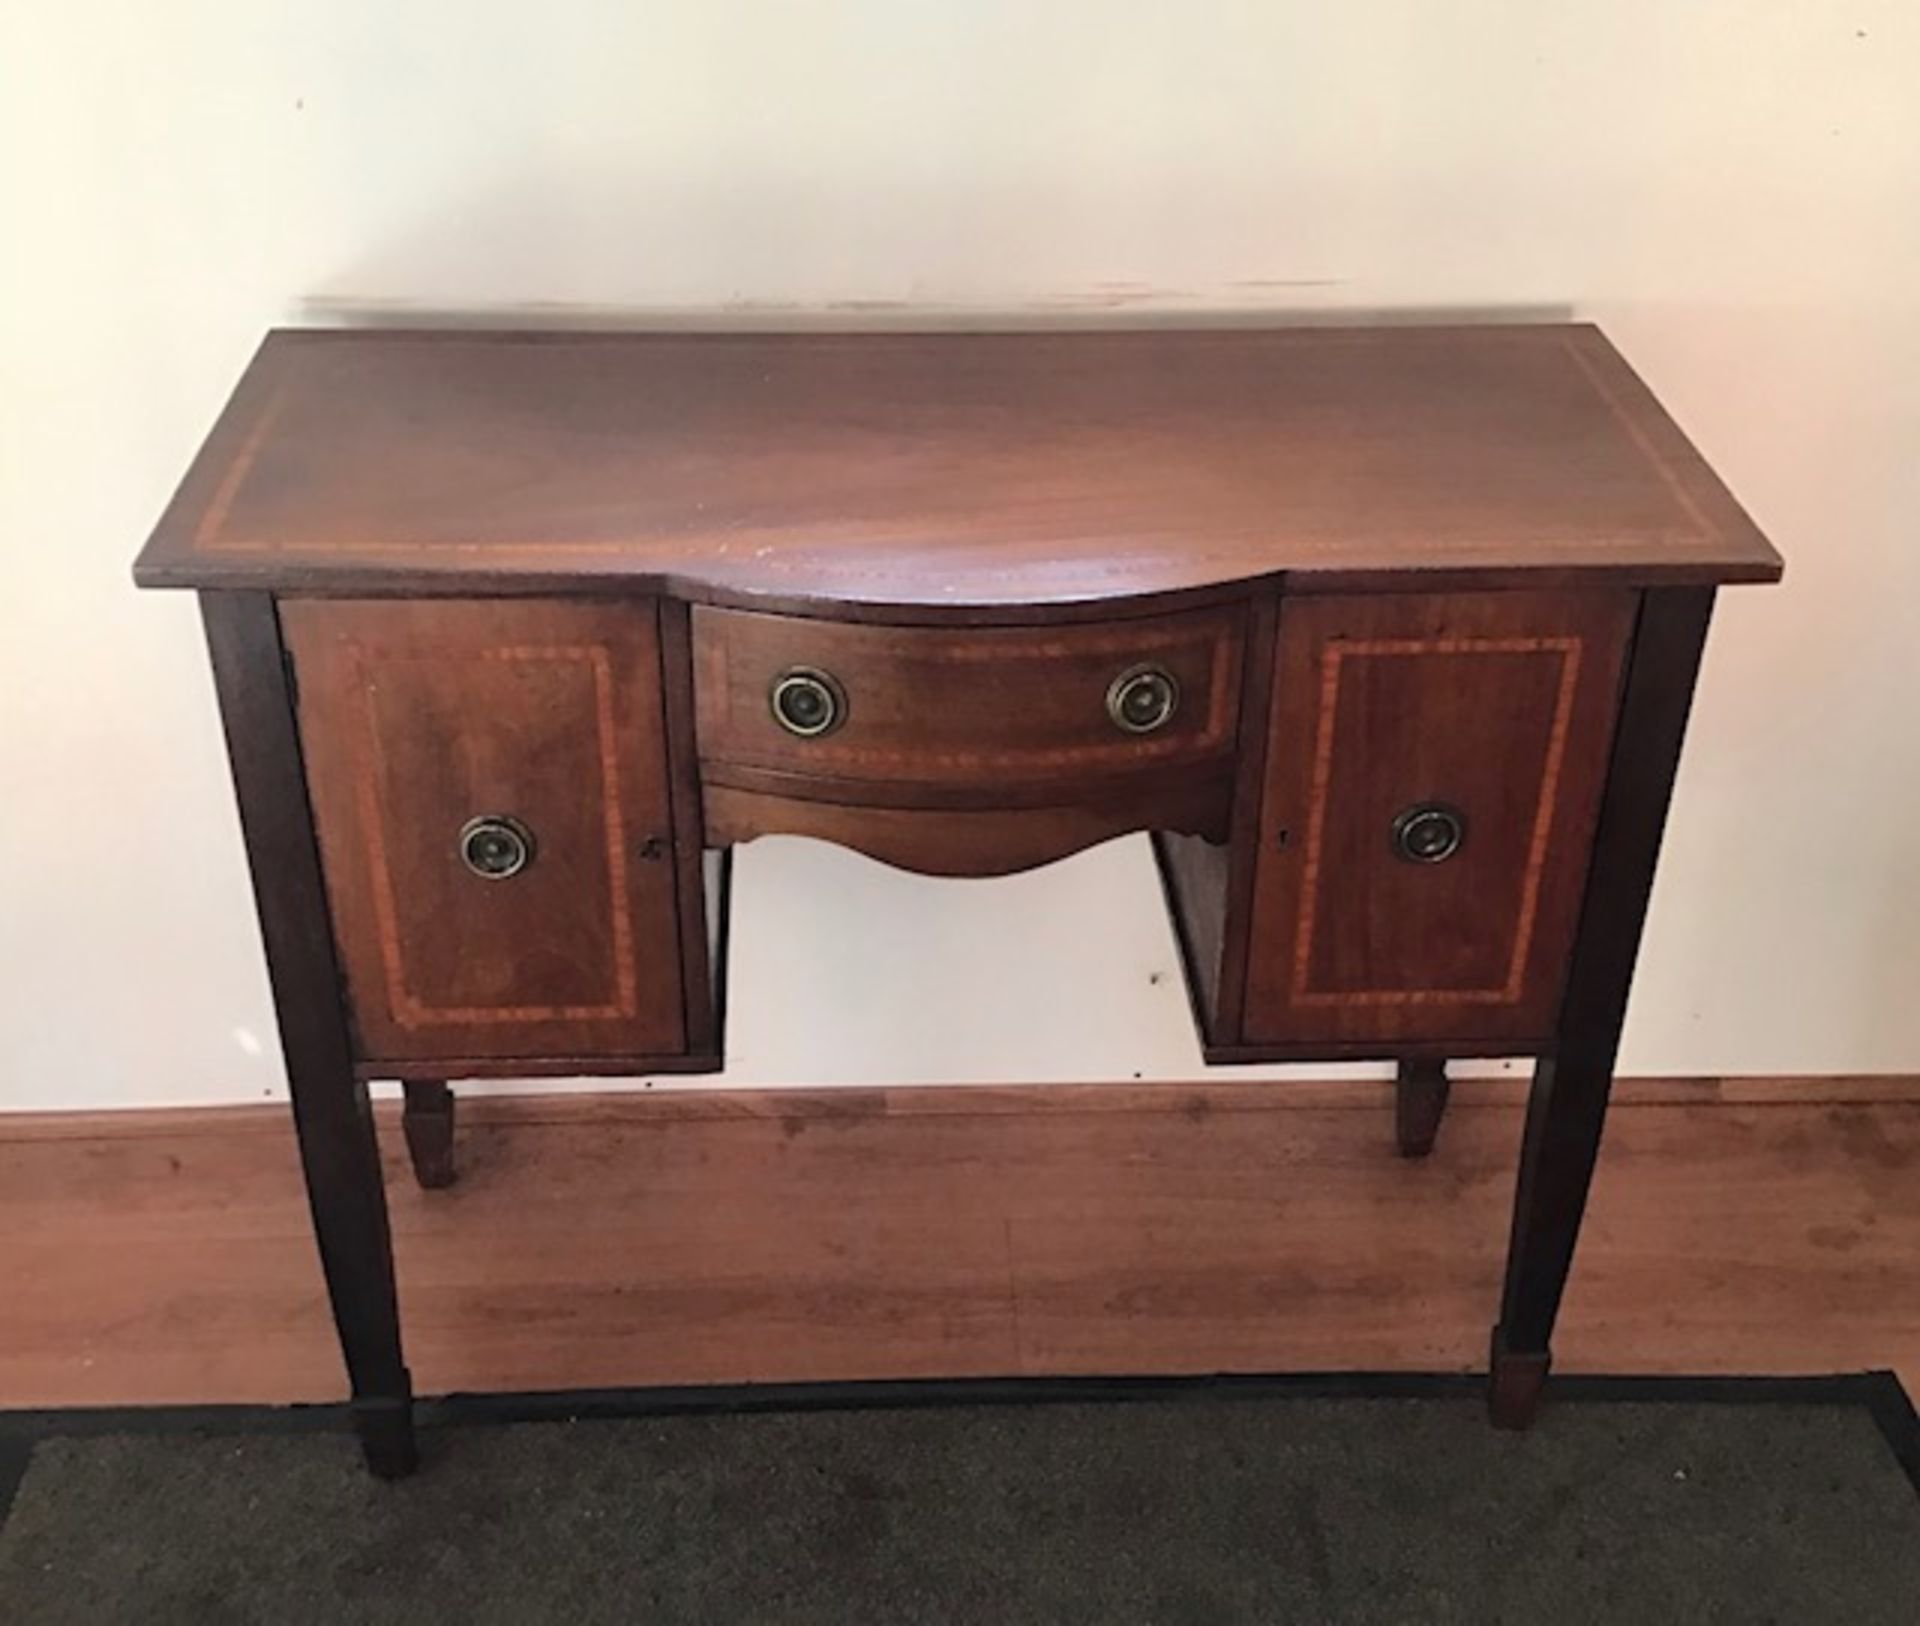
point(1434, 770)
point(489, 783)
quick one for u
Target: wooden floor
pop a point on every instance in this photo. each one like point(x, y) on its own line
point(600, 1241)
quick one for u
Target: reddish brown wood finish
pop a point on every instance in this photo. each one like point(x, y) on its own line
point(416, 717)
point(741, 1236)
point(1208, 885)
point(1499, 705)
point(970, 841)
point(1387, 567)
point(966, 751)
point(956, 710)
point(702, 905)
point(956, 477)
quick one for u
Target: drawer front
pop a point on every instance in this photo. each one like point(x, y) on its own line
point(489, 784)
point(1434, 770)
point(981, 712)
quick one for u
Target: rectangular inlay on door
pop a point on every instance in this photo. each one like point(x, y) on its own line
point(490, 792)
point(1433, 776)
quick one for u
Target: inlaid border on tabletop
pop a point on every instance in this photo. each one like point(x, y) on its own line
point(949, 476)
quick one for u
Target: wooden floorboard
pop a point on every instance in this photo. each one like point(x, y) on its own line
point(689, 1238)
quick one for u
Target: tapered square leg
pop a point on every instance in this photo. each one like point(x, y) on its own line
point(1567, 1108)
point(332, 1115)
point(1420, 1102)
point(427, 1121)
point(1565, 1116)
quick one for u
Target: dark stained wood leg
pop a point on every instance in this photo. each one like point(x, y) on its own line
point(331, 1110)
point(1514, 1384)
point(384, 1426)
point(1566, 1111)
point(1420, 1102)
point(427, 1120)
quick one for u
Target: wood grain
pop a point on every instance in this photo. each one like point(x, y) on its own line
point(955, 476)
point(416, 717)
point(1500, 706)
point(1766, 1225)
point(970, 710)
point(703, 972)
point(975, 841)
point(975, 534)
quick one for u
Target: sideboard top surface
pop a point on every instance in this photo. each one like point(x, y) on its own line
point(950, 473)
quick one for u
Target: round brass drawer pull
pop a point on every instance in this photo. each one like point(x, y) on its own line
point(1429, 832)
point(496, 846)
point(807, 702)
point(1143, 698)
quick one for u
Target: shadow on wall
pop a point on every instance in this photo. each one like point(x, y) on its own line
point(578, 251)
point(872, 315)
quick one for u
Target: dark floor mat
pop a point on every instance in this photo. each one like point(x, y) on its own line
point(1227, 1507)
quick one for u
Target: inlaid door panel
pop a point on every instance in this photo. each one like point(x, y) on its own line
point(489, 784)
point(1434, 770)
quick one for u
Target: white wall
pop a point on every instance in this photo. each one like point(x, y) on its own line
point(1732, 189)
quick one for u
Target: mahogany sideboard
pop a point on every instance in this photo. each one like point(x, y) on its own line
point(1387, 636)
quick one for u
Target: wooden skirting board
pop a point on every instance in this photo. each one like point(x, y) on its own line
point(697, 1101)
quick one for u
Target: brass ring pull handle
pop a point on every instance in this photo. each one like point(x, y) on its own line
point(807, 702)
point(1142, 699)
point(1429, 832)
point(496, 846)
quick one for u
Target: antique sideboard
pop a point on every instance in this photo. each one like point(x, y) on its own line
point(1387, 636)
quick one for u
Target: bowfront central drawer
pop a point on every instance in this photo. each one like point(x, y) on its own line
point(988, 715)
